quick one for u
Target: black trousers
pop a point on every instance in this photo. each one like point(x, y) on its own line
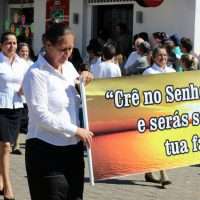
point(24, 120)
point(54, 172)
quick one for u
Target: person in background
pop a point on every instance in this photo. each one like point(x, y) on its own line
point(102, 36)
point(12, 70)
point(144, 36)
point(122, 39)
point(158, 38)
point(54, 147)
point(134, 55)
point(76, 59)
point(142, 62)
point(107, 68)
point(173, 61)
point(12, 28)
point(160, 60)
point(119, 60)
point(176, 49)
point(188, 62)
point(94, 50)
point(186, 45)
point(23, 51)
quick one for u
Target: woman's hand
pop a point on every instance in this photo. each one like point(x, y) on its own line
point(85, 136)
point(86, 77)
point(20, 92)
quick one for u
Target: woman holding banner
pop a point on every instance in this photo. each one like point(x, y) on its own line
point(160, 65)
point(54, 148)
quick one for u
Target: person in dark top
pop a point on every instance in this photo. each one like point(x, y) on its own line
point(76, 59)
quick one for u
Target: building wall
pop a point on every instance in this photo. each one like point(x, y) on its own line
point(39, 23)
point(172, 16)
point(83, 28)
point(76, 7)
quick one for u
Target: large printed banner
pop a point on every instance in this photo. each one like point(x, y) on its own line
point(144, 123)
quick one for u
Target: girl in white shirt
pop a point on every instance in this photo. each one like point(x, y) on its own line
point(107, 68)
point(54, 148)
point(23, 51)
point(12, 70)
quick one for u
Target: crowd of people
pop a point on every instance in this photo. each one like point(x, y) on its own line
point(46, 91)
point(154, 54)
point(180, 55)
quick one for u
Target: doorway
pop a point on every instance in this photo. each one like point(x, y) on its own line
point(106, 17)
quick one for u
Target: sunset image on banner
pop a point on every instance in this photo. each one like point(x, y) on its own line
point(144, 123)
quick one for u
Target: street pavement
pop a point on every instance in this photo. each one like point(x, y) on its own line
point(185, 184)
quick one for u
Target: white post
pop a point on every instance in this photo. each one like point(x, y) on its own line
point(39, 23)
point(197, 28)
point(86, 125)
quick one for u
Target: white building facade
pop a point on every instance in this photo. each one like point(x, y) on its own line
point(86, 17)
point(172, 16)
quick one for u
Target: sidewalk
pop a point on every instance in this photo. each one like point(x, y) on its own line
point(186, 183)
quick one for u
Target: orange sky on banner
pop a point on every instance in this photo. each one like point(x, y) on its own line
point(119, 148)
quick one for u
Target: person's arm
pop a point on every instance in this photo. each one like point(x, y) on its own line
point(132, 69)
point(86, 77)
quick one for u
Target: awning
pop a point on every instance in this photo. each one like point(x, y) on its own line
point(149, 3)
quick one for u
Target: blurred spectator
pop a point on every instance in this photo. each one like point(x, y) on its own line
point(186, 45)
point(142, 62)
point(134, 55)
point(188, 62)
point(176, 49)
point(158, 38)
point(94, 50)
point(172, 60)
point(76, 59)
point(107, 68)
point(122, 38)
point(25, 52)
point(144, 36)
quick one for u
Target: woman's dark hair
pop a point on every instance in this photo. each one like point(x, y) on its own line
point(187, 44)
point(156, 35)
point(189, 61)
point(5, 35)
point(144, 36)
point(55, 31)
point(175, 38)
point(95, 47)
point(162, 36)
point(169, 45)
point(145, 47)
point(109, 50)
point(76, 58)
